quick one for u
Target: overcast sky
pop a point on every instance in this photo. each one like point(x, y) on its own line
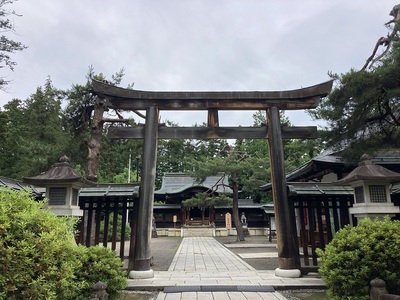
point(194, 45)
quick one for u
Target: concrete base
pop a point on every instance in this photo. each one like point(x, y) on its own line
point(288, 273)
point(141, 274)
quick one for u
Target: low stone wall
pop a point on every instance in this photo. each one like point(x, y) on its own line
point(208, 231)
point(197, 231)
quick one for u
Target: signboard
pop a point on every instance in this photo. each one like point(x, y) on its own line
point(228, 221)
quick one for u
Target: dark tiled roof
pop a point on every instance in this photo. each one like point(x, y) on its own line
point(60, 172)
point(175, 183)
point(318, 188)
point(366, 170)
point(396, 188)
point(166, 206)
point(244, 203)
point(19, 186)
point(111, 190)
point(325, 159)
point(329, 161)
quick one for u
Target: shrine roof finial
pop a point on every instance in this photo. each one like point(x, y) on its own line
point(365, 159)
point(64, 159)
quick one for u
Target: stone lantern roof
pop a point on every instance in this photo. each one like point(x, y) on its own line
point(60, 172)
point(366, 170)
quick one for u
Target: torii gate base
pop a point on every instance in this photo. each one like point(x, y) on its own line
point(288, 273)
point(272, 102)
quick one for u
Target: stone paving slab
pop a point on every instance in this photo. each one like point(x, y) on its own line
point(258, 255)
point(221, 296)
point(218, 288)
point(239, 245)
point(206, 254)
point(162, 279)
point(203, 261)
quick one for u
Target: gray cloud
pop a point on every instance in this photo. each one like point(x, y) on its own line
point(195, 45)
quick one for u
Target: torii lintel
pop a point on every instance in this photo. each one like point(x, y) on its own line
point(130, 99)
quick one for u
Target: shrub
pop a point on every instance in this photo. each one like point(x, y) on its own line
point(357, 255)
point(110, 228)
point(39, 259)
point(100, 264)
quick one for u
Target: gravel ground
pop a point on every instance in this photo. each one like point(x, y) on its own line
point(256, 263)
point(163, 250)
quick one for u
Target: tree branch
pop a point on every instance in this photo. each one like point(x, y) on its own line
point(384, 41)
point(139, 114)
point(126, 121)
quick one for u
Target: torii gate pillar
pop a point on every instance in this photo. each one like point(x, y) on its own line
point(142, 255)
point(288, 250)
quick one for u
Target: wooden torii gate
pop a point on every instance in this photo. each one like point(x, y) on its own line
point(154, 101)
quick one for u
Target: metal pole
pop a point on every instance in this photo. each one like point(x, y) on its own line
point(129, 165)
point(137, 167)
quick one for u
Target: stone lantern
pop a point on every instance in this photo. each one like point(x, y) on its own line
point(62, 185)
point(371, 188)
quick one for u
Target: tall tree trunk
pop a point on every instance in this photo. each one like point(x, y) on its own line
point(95, 140)
point(235, 209)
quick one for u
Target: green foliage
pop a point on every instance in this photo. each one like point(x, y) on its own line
point(77, 120)
point(81, 100)
point(362, 109)
point(39, 258)
point(204, 200)
point(35, 137)
point(114, 160)
point(99, 264)
point(357, 255)
point(7, 45)
point(36, 132)
point(110, 228)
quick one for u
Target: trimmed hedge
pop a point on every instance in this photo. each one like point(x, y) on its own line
point(356, 255)
point(39, 258)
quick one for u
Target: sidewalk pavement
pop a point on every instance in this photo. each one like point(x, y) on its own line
point(204, 269)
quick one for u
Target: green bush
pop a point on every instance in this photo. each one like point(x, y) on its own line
point(38, 257)
point(110, 228)
point(100, 264)
point(357, 255)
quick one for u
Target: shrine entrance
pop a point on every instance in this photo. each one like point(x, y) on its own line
point(195, 216)
point(152, 102)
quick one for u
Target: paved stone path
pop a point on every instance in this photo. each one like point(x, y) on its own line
point(204, 269)
point(206, 254)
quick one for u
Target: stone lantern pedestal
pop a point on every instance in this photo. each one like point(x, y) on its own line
point(371, 186)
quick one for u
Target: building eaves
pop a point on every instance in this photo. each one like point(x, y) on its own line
point(109, 190)
point(312, 188)
point(176, 183)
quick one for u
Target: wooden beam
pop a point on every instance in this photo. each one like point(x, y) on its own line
point(129, 99)
point(203, 133)
point(212, 118)
point(288, 251)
